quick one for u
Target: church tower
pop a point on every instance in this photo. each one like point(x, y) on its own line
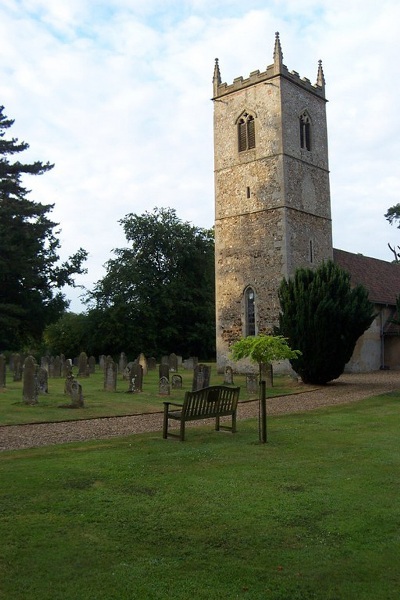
point(272, 198)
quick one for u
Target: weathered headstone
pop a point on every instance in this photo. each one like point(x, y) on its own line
point(176, 382)
point(30, 383)
point(44, 362)
point(2, 371)
point(228, 376)
point(123, 361)
point(83, 369)
point(68, 384)
point(165, 360)
point(190, 363)
point(173, 362)
point(164, 388)
point(57, 367)
point(42, 381)
point(252, 383)
point(67, 367)
point(201, 377)
point(136, 378)
point(143, 362)
point(76, 395)
point(50, 368)
point(110, 375)
point(17, 367)
point(151, 363)
point(92, 365)
point(163, 371)
point(102, 361)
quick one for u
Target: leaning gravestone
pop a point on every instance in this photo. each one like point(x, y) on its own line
point(252, 383)
point(30, 383)
point(2, 371)
point(164, 388)
point(201, 377)
point(110, 375)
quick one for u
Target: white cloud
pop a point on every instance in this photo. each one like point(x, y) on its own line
point(117, 94)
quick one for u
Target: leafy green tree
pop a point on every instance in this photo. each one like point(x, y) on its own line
point(67, 336)
point(157, 296)
point(30, 275)
point(263, 349)
point(323, 317)
point(393, 216)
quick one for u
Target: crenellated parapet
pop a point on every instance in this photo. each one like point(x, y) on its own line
point(277, 69)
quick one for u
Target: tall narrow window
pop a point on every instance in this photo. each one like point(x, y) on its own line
point(305, 131)
point(311, 252)
point(250, 313)
point(246, 133)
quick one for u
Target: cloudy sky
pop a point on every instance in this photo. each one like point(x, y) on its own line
point(117, 94)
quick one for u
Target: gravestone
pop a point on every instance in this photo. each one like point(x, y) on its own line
point(2, 371)
point(126, 376)
point(110, 375)
point(30, 383)
point(68, 384)
point(136, 379)
point(42, 381)
point(83, 369)
point(252, 383)
point(190, 363)
point(173, 362)
point(102, 361)
point(143, 362)
point(151, 363)
point(123, 361)
point(165, 360)
point(17, 367)
point(67, 368)
point(164, 387)
point(163, 371)
point(44, 362)
point(57, 367)
point(228, 376)
point(176, 382)
point(76, 395)
point(92, 365)
point(50, 368)
point(201, 377)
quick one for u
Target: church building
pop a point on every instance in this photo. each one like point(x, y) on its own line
point(273, 208)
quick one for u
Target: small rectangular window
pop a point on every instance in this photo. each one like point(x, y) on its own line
point(248, 192)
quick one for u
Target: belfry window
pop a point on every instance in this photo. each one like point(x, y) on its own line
point(250, 313)
point(305, 132)
point(246, 133)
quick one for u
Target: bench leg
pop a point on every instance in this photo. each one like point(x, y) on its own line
point(165, 425)
point(182, 431)
point(216, 423)
point(234, 422)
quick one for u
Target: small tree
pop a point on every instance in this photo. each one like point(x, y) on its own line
point(324, 317)
point(263, 349)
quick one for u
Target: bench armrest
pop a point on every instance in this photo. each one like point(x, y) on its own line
point(172, 404)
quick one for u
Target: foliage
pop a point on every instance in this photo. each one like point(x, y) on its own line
point(263, 349)
point(30, 276)
point(324, 317)
point(157, 296)
point(68, 335)
point(312, 515)
point(393, 216)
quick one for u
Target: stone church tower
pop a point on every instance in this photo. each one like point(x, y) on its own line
point(272, 198)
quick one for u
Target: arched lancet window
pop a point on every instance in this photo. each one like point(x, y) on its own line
point(250, 312)
point(246, 132)
point(305, 131)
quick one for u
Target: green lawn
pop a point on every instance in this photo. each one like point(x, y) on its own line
point(99, 403)
point(314, 514)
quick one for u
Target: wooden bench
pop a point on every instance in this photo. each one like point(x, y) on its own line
point(211, 402)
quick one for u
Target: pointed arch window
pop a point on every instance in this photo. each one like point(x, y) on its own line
point(250, 312)
point(246, 132)
point(305, 131)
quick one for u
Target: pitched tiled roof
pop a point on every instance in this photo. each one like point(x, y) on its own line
point(381, 278)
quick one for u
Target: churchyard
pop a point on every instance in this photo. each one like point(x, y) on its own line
point(311, 515)
point(115, 396)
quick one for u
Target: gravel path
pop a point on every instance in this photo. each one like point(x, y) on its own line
point(348, 388)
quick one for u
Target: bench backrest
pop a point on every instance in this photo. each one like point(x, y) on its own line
point(211, 401)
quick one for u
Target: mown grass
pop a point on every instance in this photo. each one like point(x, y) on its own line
point(314, 514)
point(100, 403)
